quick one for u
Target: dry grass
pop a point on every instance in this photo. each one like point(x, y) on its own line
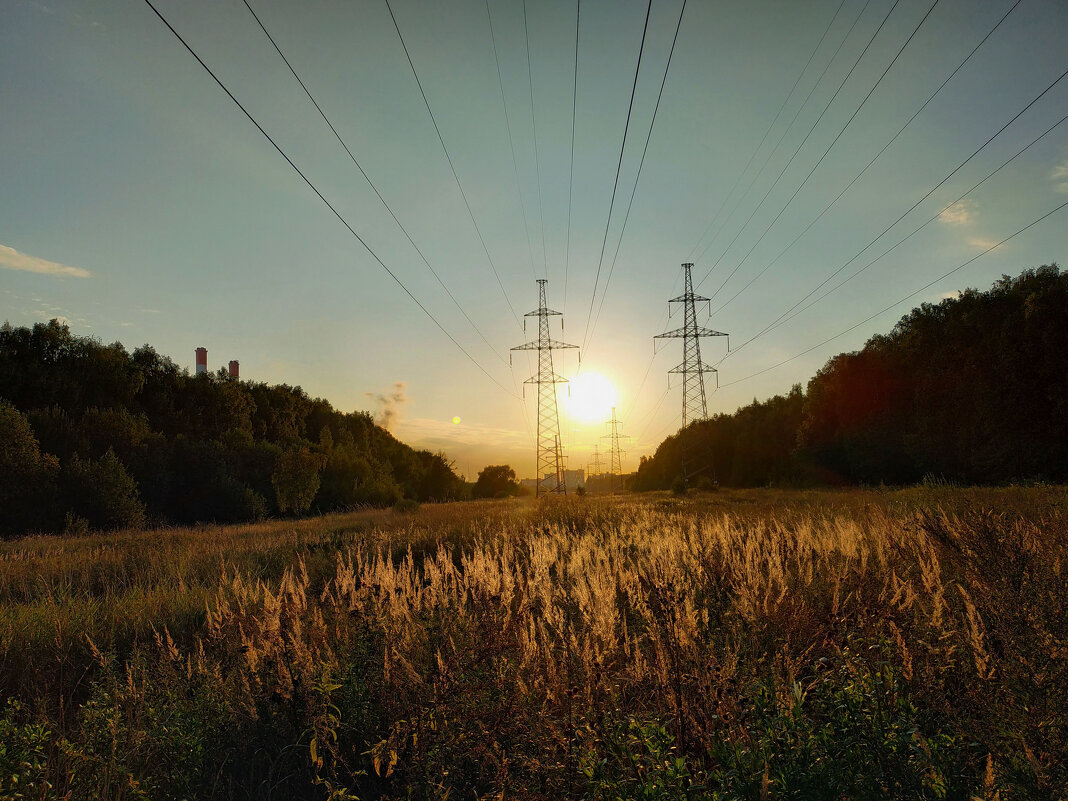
point(753, 644)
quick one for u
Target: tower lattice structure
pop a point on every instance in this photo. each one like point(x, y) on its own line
point(549, 459)
point(595, 466)
point(692, 368)
point(615, 453)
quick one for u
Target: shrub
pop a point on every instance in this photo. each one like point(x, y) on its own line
point(23, 755)
point(101, 491)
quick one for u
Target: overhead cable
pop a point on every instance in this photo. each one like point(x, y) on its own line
point(452, 167)
point(323, 198)
point(900, 301)
point(875, 158)
point(615, 184)
point(828, 150)
point(370, 183)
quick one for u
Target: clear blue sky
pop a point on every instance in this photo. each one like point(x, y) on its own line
point(140, 205)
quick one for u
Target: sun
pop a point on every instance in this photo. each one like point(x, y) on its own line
point(591, 398)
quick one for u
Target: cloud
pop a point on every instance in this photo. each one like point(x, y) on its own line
point(984, 242)
point(960, 213)
point(13, 260)
point(1060, 177)
point(390, 406)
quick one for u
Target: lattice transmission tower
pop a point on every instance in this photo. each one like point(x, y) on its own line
point(615, 453)
point(549, 459)
point(693, 369)
point(595, 466)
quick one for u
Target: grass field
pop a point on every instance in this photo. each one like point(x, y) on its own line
point(739, 644)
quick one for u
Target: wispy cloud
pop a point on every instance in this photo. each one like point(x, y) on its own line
point(960, 213)
point(1060, 177)
point(984, 242)
point(11, 259)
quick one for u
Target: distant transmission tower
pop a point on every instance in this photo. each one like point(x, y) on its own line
point(550, 477)
point(615, 454)
point(595, 467)
point(694, 402)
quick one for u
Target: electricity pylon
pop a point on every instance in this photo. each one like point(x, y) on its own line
point(694, 402)
point(596, 465)
point(550, 476)
point(615, 454)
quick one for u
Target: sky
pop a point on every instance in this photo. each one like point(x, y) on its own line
point(139, 204)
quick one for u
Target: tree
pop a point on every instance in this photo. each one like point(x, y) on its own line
point(296, 479)
point(102, 492)
point(496, 481)
point(27, 476)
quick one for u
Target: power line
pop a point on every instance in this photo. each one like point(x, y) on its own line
point(783, 319)
point(898, 302)
point(511, 141)
point(615, 184)
point(803, 141)
point(748, 163)
point(652, 415)
point(322, 197)
point(571, 174)
point(638, 176)
point(367, 178)
point(875, 158)
point(534, 127)
point(829, 147)
point(452, 167)
point(764, 138)
point(908, 211)
point(774, 150)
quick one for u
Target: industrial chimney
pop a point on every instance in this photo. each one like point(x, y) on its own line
point(202, 360)
point(234, 367)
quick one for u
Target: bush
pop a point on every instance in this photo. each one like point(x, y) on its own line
point(102, 492)
point(852, 733)
point(23, 755)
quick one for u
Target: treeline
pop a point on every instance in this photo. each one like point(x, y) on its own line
point(971, 390)
point(94, 436)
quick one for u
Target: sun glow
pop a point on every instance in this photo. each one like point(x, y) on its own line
point(591, 398)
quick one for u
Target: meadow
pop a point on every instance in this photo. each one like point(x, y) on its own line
point(749, 644)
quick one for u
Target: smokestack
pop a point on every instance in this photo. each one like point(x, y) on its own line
point(234, 368)
point(202, 360)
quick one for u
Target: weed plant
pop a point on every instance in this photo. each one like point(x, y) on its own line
point(738, 645)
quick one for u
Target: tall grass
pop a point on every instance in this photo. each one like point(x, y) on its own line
point(741, 645)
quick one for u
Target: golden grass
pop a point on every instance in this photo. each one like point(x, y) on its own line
point(497, 641)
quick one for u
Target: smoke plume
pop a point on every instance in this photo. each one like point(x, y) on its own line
point(390, 406)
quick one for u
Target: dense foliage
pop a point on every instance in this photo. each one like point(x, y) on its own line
point(972, 390)
point(91, 435)
point(496, 481)
point(749, 644)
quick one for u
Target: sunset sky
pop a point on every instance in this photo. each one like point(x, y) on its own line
point(139, 204)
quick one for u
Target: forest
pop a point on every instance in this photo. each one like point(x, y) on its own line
point(971, 390)
point(92, 436)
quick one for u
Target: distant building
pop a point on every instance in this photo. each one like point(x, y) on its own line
point(202, 360)
point(573, 479)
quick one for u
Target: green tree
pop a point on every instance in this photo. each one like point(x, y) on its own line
point(102, 492)
point(496, 481)
point(27, 476)
point(296, 479)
